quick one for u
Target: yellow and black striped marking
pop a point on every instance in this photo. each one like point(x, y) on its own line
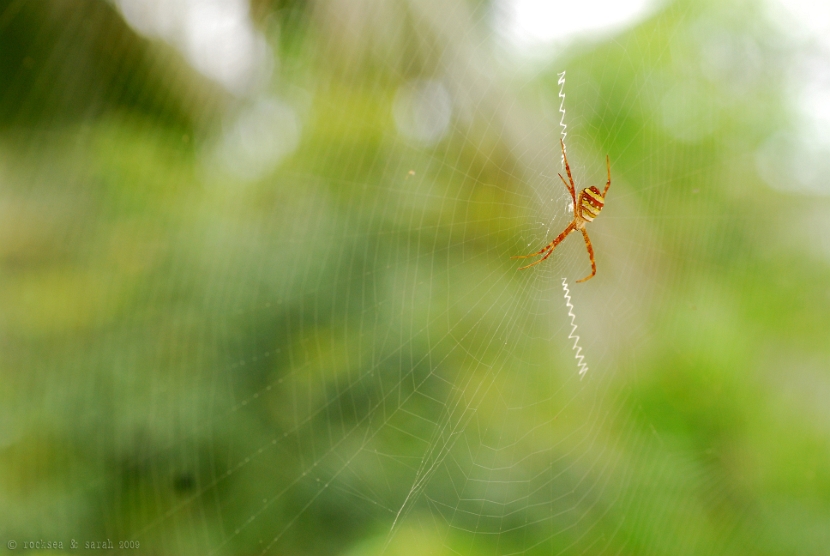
point(592, 203)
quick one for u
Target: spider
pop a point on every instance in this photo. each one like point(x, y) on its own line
point(586, 207)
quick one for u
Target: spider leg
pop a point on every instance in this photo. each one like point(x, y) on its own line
point(539, 252)
point(572, 188)
point(549, 247)
point(590, 254)
point(539, 261)
point(608, 166)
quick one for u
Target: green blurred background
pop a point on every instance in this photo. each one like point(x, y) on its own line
point(256, 294)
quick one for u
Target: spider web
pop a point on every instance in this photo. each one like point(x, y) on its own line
point(296, 328)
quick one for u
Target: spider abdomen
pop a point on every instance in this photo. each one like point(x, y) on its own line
point(592, 203)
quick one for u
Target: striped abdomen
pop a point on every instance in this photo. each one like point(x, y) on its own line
point(591, 205)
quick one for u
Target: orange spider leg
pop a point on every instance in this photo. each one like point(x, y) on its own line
point(548, 254)
point(571, 191)
point(549, 247)
point(590, 254)
point(608, 183)
point(572, 188)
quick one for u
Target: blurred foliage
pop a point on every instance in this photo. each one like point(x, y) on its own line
point(215, 363)
point(64, 63)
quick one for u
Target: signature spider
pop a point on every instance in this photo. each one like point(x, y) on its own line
point(586, 207)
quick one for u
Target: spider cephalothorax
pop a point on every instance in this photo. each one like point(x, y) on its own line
point(587, 206)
